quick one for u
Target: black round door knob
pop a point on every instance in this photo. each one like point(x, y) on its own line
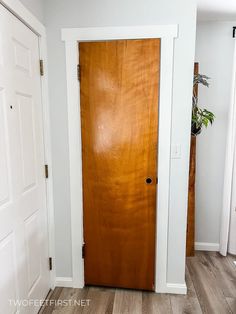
point(148, 180)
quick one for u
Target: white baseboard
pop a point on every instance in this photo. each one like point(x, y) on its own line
point(64, 282)
point(205, 246)
point(173, 288)
point(176, 288)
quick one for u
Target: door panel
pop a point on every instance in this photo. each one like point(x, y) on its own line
point(119, 115)
point(4, 164)
point(27, 141)
point(7, 273)
point(23, 212)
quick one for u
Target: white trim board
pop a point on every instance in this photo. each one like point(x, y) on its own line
point(25, 16)
point(205, 246)
point(176, 288)
point(64, 282)
point(18, 9)
point(173, 287)
point(115, 33)
point(167, 34)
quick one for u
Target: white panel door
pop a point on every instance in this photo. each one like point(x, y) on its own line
point(24, 271)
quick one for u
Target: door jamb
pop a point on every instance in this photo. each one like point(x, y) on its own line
point(25, 16)
point(71, 37)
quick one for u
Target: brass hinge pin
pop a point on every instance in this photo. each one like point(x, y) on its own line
point(83, 250)
point(46, 171)
point(50, 263)
point(41, 67)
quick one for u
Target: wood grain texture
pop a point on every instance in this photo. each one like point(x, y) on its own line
point(188, 303)
point(127, 302)
point(119, 117)
point(156, 303)
point(207, 293)
point(225, 273)
point(190, 250)
point(232, 304)
point(53, 295)
point(101, 301)
point(190, 241)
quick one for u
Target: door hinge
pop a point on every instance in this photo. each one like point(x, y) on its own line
point(41, 67)
point(46, 171)
point(156, 180)
point(50, 263)
point(78, 72)
point(83, 250)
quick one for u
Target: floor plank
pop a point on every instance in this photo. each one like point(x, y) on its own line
point(186, 303)
point(211, 282)
point(210, 296)
point(225, 273)
point(68, 301)
point(100, 301)
point(232, 304)
point(54, 295)
point(127, 302)
point(156, 303)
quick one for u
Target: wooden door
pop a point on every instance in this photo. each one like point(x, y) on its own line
point(24, 271)
point(119, 115)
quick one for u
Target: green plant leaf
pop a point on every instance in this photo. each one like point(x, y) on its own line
point(200, 117)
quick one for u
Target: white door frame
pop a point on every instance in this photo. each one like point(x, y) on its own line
point(72, 36)
point(25, 16)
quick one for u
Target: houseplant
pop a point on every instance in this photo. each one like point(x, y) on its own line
point(200, 117)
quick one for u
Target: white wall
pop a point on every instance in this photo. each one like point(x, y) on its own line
point(216, 10)
point(214, 52)
point(78, 13)
point(36, 7)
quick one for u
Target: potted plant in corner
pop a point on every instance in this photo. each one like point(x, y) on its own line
point(200, 118)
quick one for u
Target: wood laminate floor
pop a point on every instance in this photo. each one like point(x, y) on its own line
point(211, 281)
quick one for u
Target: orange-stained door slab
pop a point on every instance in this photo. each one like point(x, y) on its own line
point(119, 115)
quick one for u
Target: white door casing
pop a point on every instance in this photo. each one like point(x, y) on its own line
point(71, 37)
point(24, 270)
point(227, 232)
